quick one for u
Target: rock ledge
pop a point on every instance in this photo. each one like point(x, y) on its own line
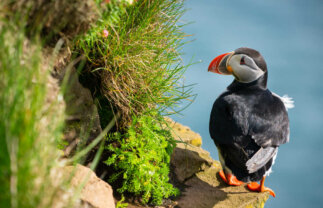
point(197, 173)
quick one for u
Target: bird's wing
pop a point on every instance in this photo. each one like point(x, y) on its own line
point(262, 156)
point(269, 124)
point(227, 122)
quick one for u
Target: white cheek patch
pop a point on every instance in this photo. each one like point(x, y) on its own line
point(244, 73)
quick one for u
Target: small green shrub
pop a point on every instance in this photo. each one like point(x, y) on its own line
point(141, 158)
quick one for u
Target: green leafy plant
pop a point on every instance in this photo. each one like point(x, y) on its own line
point(121, 204)
point(141, 158)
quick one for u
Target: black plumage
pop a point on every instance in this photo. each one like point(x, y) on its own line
point(247, 124)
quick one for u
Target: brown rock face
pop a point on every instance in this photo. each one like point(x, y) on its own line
point(94, 191)
point(81, 114)
point(188, 160)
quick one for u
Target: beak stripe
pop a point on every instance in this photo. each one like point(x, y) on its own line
point(214, 65)
point(229, 68)
point(232, 53)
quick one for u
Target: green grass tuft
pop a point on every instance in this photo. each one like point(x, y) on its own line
point(138, 62)
point(30, 126)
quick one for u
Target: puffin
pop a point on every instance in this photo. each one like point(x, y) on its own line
point(248, 122)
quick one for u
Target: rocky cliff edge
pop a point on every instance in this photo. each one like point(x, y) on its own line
point(196, 173)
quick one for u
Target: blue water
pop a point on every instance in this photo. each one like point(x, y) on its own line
point(289, 34)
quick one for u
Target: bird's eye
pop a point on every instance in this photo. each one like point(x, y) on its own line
point(242, 62)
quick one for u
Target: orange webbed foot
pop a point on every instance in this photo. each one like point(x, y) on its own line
point(230, 179)
point(254, 186)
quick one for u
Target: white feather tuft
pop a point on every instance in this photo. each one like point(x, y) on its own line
point(288, 101)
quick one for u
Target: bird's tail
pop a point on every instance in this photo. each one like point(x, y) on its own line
point(288, 102)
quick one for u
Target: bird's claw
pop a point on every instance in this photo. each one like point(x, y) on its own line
point(230, 179)
point(254, 186)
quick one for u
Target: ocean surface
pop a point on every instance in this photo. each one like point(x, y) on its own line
point(289, 34)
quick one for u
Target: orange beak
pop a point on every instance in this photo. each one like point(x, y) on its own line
point(218, 65)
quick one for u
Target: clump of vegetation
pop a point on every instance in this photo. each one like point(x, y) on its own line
point(141, 157)
point(133, 56)
point(31, 111)
point(30, 126)
point(134, 50)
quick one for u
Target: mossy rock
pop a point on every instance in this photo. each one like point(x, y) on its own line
point(184, 133)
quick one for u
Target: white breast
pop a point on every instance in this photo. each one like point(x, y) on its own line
point(270, 169)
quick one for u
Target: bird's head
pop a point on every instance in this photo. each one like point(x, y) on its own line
point(245, 64)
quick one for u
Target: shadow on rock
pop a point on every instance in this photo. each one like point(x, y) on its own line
point(196, 177)
point(200, 194)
